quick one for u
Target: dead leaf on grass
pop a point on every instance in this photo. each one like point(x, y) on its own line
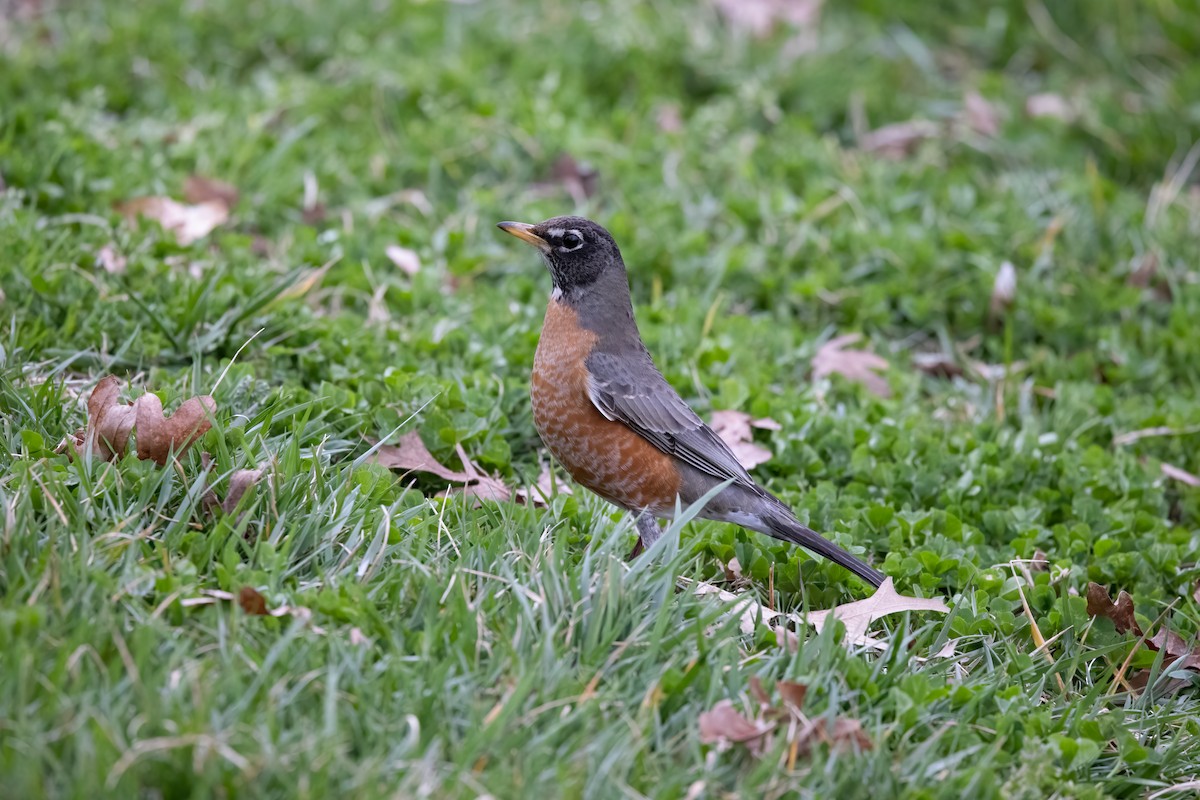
point(110, 260)
point(1049, 104)
point(1170, 644)
point(898, 140)
point(411, 455)
point(981, 116)
point(110, 423)
point(189, 222)
point(407, 260)
point(858, 615)
point(861, 366)
point(252, 601)
point(937, 365)
point(724, 725)
point(1181, 475)
point(734, 428)
point(199, 189)
point(240, 482)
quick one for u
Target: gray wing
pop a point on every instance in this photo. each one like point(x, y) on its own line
point(629, 389)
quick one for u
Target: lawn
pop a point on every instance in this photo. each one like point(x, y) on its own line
point(869, 170)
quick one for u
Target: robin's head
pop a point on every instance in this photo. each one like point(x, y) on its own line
point(577, 250)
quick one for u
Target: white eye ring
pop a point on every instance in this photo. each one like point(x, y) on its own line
point(577, 237)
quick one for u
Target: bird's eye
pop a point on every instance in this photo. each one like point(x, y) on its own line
point(571, 241)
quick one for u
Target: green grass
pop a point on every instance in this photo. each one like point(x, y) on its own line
point(512, 651)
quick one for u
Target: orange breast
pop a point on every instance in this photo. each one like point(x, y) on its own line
point(599, 453)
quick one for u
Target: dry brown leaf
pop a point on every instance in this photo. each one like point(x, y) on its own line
point(252, 601)
point(981, 116)
point(1099, 604)
point(407, 260)
point(847, 734)
point(759, 18)
point(1166, 641)
point(1181, 475)
point(240, 482)
point(198, 189)
point(110, 423)
point(1144, 272)
point(861, 366)
point(188, 222)
point(1048, 104)
point(1004, 290)
point(411, 455)
point(110, 260)
point(358, 638)
point(858, 615)
point(898, 140)
point(734, 429)
point(724, 725)
point(158, 436)
point(792, 694)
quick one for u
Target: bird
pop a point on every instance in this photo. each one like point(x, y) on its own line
point(610, 418)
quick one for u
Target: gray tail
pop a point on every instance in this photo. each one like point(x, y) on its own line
point(787, 528)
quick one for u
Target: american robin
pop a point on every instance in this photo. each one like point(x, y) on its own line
point(610, 417)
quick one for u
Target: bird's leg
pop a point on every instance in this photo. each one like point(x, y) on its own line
point(648, 533)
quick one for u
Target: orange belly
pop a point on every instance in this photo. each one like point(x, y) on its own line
point(601, 454)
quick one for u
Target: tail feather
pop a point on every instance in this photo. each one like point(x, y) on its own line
point(789, 529)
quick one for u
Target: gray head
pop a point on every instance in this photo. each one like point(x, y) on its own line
point(577, 251)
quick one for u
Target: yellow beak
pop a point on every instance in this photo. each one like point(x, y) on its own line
point(524, 232)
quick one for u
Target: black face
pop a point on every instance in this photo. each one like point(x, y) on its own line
point(577, 250)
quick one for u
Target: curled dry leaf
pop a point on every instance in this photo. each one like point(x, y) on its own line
point(981, 116)
point(198, 189)
point(252, 601)
point(188, 222)
point(861, 366)
point(110, 422)
point(1048, 104)
point(1183, 476)
point(411, 455)
point(1166, 641)
point(937, 365)
point(858, 615)
point(240, 482)
point(407, 260)
point(734, 429)
point(1004, 290)
point(724, 725)
point(898, 140)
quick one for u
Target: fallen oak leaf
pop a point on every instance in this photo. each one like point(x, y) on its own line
point(109, 422)
point(188, 222)
point(861, 366)
point(546, 486)
point(857, 616)
point(411, 455)
point(240, 482)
